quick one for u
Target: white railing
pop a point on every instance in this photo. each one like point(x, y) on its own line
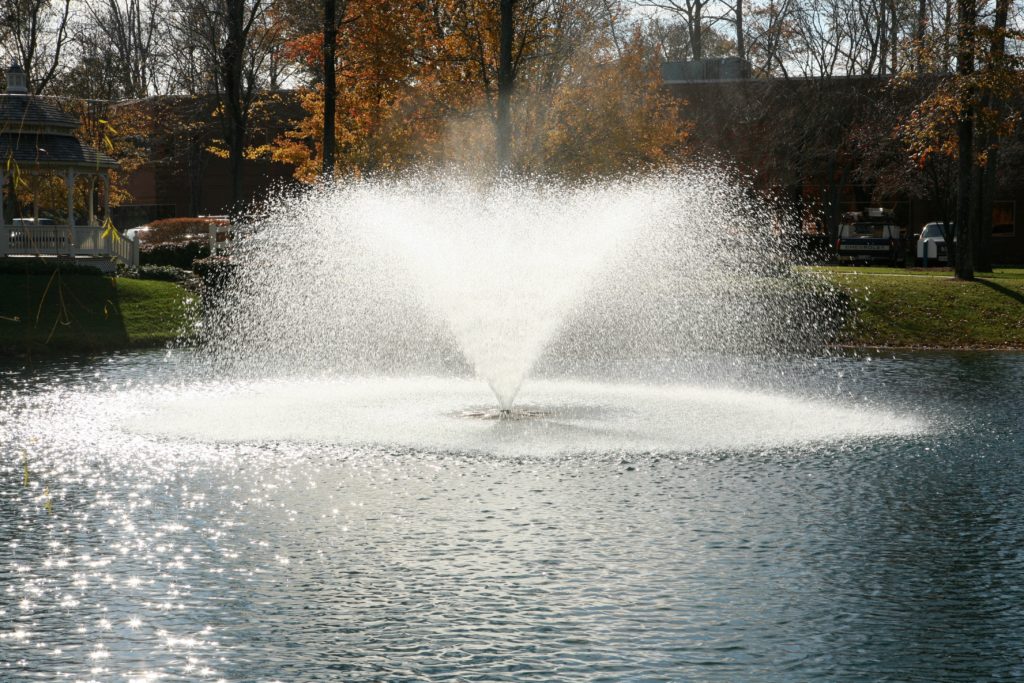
point(65, 240)
point(36, 239)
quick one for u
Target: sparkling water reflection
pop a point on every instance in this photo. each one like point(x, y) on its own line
point(133, 554)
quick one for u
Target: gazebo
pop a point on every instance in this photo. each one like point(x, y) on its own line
point(37, 142)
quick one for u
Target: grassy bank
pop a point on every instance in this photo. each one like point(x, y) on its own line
point(64, 311)
point(59, 311)
point(929, 309)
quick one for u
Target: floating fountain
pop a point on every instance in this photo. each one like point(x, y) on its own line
point(434, 274)
point(636, 313)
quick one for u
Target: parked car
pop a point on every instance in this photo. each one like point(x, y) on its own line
point(871, 236)
point(23, 238)
point(933, 236)
point(28, 223)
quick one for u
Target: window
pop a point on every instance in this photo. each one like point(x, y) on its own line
point(869, 230)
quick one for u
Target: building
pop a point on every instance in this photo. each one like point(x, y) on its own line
point(182, 175)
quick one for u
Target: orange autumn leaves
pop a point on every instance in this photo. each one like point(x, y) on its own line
point(417, 83)
point(380, 80)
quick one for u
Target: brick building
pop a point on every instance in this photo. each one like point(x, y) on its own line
point(181, 175)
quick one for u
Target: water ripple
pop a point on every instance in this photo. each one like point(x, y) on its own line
point(125, 556)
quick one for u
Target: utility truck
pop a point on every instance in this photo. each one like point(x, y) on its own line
point(869, 236)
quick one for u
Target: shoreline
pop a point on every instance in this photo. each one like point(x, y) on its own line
point(888, 312)
point(67, 313)
point(931, 349)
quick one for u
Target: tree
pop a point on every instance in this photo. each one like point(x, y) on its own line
point(741, 50)
point(35, 34)
point(386, 82)
point(511, 45)
point(690, 15)
point(999, 76)
point(233, 41)
point(612, 116)
point(958, 121)
point(92, 74)
point(330, 82)
point(771, 28)
point(506, 82)
point(182, 143)
point(128, 29)
point(421, 82)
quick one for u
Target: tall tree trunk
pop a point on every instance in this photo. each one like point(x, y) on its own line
point(506, 81)
point(697, 30)
point(231, 65)
point(236, 155)
point(966, 216)
point(922, 26)
point(987, 140)
point(741, 48)
point(894, 38)
point(330, 83)
point(883, 38)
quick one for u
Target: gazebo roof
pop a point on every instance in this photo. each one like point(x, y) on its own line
point(30, 113)
point(35, 133)
point(30, 150)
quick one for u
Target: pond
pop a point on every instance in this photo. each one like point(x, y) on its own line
point(157, 526)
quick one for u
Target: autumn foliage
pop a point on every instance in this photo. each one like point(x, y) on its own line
point(417, 83)
point(384, 93)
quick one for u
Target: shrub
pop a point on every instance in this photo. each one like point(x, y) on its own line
point(177, 254)
point(165, 273)
point(215, 270)
point(176, 241)
point(179, 230)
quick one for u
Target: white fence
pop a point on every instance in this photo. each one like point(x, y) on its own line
point(66, 240)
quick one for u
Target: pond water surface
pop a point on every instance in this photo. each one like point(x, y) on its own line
point(143, 537)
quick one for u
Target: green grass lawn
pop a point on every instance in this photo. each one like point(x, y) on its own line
point(61, 311)
point(933, 311)
point(996, 274)
point(154, 312)
point(67, 311)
